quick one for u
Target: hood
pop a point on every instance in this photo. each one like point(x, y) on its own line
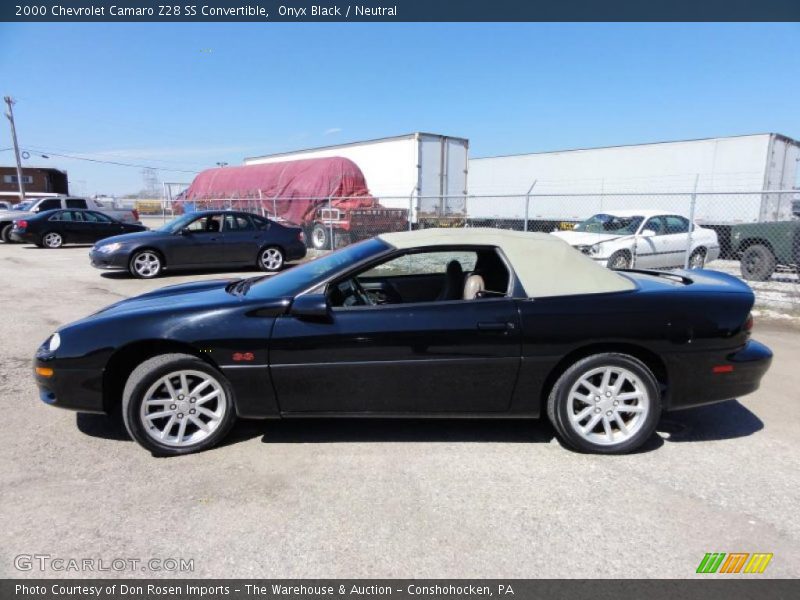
point(133, 236)
point(197, 294)
point(585, 238)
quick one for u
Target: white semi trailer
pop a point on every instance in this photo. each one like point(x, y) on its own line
point(423, 171)
point(574, 184)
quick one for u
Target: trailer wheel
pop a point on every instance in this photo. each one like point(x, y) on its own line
point(320, 237)
point(758, 263)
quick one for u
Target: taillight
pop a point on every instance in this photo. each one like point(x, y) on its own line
point(135, 215)
point(21, 224)
point(301, 237)
point(748, 324)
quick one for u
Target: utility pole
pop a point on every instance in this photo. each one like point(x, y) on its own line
point(10, 114)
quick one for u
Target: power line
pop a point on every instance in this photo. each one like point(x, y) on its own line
point(107, 162)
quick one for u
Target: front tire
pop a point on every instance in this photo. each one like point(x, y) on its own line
point(52, 239)
point(606, 403)
point(758, 263)
point(271, 259)
point(145, 264)
point(177, 404)
point(620, 260)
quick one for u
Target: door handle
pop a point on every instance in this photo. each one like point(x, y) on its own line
point(491, 326)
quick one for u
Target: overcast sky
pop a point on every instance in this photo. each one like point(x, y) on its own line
point(181, 97)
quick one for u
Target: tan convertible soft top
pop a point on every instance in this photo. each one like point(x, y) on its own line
point(544, 264)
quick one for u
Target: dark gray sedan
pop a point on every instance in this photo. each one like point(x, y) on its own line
point(203, 240)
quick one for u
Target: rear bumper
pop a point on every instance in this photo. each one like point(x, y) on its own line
point(707, 378)
point(296, 251)
point(23, 237)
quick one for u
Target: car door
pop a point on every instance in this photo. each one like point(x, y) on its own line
point(436, 357)
point(241, 238)
point(199, 244)
point(48, 204)
point(675, 240)
point(100, 226)
point(649, 244)
point(75, 229)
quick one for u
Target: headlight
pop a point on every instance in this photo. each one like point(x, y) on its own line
point(54, 342)
point(109, 248)
point(594, 250)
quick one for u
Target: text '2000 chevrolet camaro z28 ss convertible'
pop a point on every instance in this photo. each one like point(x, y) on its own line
point(430, 323)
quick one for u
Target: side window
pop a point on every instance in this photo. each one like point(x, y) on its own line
point(676, 224)
point(76, 203)
point(49, 204)
point(59, 216)
point(655, 224)
point(76, 215)
point(261, 223)
point(95, 217)
point(424, 263)
point(237, 223)
point(208, 224)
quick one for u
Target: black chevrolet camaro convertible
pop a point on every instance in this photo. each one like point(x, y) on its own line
point(431, 323)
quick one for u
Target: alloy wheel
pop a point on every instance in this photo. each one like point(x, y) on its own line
point(146, 264)
point(53, 240)
point(183, 408)
point(608, 405)
point(272, 259)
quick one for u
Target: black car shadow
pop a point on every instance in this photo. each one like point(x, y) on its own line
point(189, 272)
point(722, 421)
point(64, 247)
point(726, 420)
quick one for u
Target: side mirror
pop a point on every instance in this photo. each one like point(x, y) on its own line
point(648, 233)
point(311, 307)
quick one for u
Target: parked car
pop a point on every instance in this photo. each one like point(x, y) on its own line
point(431, 323)
point(763, 247)
point(200, 240)
point(642, 238)
point(54, 228)
point(38, 205)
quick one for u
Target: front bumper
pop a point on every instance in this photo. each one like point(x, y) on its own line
point(74, 389)
point(706, 378)
point(101, 260)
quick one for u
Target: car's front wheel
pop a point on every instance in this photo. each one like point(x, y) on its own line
point(620, 260)
point(176, 404)
point(606, 403)
point(145, 264)
point(270, 259)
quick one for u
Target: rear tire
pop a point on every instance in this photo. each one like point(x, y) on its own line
point(606, 403)
point(758, 263)
point(271, 259)
point(698, 259)
point(195, 399)
point(52, 239)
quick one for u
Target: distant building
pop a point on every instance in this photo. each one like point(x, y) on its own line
point(36, 180)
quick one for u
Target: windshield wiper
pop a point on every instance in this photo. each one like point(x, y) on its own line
point(242, 286)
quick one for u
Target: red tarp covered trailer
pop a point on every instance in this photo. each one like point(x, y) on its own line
point(292, 190)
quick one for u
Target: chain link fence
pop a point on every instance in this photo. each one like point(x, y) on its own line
point(754, 235)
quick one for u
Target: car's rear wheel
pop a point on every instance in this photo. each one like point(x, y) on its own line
point(270, 259)
point(606, 403)
point(698, 259)
point(5, 233)
point(145, 264)
point(52, 239)
point(177, 404)
point(758, 263)
point(620, 260)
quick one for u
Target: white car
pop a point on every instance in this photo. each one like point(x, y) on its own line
point(642, 239)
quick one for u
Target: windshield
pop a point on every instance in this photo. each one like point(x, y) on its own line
point(176, 225)
point(296, 279)
point(604, 223)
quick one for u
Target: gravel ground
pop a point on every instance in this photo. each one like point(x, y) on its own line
point(382, 498)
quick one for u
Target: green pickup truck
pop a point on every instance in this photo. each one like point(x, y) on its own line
point(763, 247)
